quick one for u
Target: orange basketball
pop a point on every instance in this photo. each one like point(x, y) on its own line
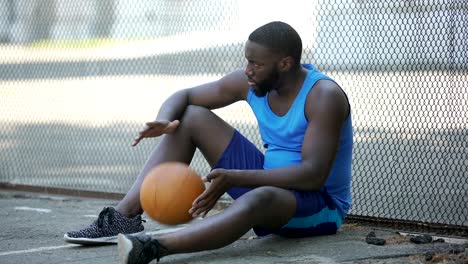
point(168, 191)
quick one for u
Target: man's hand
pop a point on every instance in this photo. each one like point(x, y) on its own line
point(156, 129)
point(220, 183)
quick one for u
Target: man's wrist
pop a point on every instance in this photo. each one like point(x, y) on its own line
point(233, 177)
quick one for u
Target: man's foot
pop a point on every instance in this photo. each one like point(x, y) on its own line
point(136, 249)
point(105, 229)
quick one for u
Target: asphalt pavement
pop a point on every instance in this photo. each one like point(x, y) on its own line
point(33, 225)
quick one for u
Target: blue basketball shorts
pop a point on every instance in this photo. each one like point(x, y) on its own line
point(316, 213)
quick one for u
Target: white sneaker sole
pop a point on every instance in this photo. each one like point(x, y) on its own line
point(124, 247)
point(93, 241)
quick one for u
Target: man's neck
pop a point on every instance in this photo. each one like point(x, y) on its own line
point(291, 82)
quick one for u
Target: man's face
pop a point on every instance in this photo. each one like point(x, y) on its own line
point(261, 69)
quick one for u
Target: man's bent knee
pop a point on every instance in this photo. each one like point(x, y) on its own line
point(195, 118)
point(208, 132)
point(194, 114)
point(270, 202)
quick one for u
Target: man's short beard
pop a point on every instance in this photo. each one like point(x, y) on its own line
point(262, 90)
point(267, 85)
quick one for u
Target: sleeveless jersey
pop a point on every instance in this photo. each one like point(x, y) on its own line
point(283, 137)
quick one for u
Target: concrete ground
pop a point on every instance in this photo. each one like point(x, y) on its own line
point(33, 226)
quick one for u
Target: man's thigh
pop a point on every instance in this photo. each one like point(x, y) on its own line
point(315, 215)
point(240, 154)
point(270, 207)
point(209, 133)
point(314, 212)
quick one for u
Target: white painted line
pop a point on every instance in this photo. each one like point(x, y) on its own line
point(165, 231)
point(40, 210)
point(6, 253)
point(91, 216)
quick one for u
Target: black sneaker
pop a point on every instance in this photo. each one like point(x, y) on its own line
point(139, 249)
point(105, 229)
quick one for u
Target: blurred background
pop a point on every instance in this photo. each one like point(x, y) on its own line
point(78, 80)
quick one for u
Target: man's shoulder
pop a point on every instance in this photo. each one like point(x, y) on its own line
point(327, 95)
point(326, 89)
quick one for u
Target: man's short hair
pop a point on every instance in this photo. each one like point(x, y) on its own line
point(279, 37)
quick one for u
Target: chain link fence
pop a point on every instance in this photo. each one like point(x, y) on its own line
point(79, 78)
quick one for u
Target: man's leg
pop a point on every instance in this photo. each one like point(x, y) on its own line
point(199, 128)
point(266, 207)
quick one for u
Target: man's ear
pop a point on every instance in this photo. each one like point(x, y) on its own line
point(286, 64)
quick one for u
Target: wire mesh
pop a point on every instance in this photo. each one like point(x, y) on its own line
point(79, 78)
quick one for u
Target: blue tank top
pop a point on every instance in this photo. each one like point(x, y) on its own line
point(283, 136)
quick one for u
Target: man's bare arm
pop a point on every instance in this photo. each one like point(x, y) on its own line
point(326, 110)
point(225, 91)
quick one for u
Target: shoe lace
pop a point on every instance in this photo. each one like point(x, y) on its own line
point(110, 216)
point(153, 246)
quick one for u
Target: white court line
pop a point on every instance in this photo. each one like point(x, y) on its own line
point(91, 216)
point(40, 210)
point(165, 231)
point(6, 253)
